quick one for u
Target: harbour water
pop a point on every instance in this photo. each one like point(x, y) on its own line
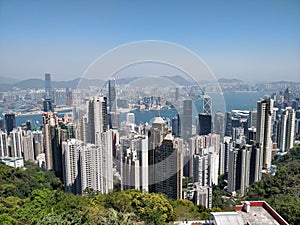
point(232, 100)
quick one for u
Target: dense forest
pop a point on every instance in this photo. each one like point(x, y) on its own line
point(34, 196)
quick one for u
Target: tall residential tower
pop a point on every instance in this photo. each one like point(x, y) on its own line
point(263, 129)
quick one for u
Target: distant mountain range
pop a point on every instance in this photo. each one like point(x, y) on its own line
point(224, 80)
point(8, 80)
point(7, 84)
point(40, 84)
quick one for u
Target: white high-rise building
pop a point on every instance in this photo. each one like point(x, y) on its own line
point(263, 129)
point(140, 145)
point(130, 118)
point(224, 154)
point(206, 166)
point(287, 129)
point(130, 170)
point(3, 144)
point(88, 166)
point(15, 137)
point(200, 169)
point(97, 119)
point(81, 129)
point(107, 160)
point(27, 146)
point(71, 170)
point(134, 170)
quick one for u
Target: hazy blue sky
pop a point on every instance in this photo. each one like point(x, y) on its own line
point(251, 40)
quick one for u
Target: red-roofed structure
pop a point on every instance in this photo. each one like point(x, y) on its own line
point(259, 212)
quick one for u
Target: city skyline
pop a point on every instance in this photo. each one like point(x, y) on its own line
point(252, 41)
point(92, 150)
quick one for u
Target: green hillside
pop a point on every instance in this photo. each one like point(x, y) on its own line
point(32, 196)
point(282, 191)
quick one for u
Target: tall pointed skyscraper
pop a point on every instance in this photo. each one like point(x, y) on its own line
point(263, 129)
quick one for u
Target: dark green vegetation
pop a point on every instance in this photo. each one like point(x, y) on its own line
point(282, 191)
point(32, 196)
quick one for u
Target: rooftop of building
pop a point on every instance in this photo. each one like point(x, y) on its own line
point(158, 120)
point(249, 213)
point(260, 212)
point(227, 218)
point(169, 137)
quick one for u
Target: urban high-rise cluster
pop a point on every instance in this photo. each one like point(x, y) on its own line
point(100, 147)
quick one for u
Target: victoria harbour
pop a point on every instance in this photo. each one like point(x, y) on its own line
point(233, 101)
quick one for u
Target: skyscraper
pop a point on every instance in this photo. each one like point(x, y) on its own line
point(96, 168)
point(168, 162)
point(48, 100)
point(97, 119)
point(47, 105)
point(112, 96)
point(38, 140)
point(204, 124)
point(287, 129)
point(134, 170)
point(3, 144)
point(81, 129)
point(186, 126)
point(15, 144)
point(263, 129)
point(10, 122)
point(176, 126)
point(87, 166)
point(244, 167)
point(51, 141)
point(48, 89)
point(2, 124)
point(27, 145)
point(71, 165)
point(60, 98)
point(228, 125)
point(206, 105)
point(156, 134)
point(69, 97)
point(219, 124)
point(252, 119)
point(224, 154)
point(288, 96)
